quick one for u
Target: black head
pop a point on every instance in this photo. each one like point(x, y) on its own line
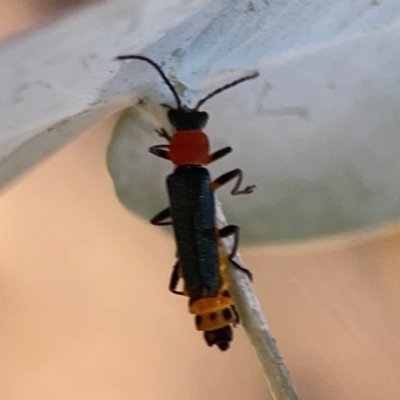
point(186, 118)
point(183, 117)
point(221, 337)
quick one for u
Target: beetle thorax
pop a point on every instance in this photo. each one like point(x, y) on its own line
point(189, 147)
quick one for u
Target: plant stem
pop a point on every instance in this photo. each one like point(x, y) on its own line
point(256, 325)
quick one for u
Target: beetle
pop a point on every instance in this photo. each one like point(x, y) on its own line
point(201, 262)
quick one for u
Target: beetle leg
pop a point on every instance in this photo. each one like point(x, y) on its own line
point(219, 154)
point(161, 150)
point(160, 217)
point(233, 230)
point(236, 315)
point(164, 134)
point(173, 283)
point(225, 178)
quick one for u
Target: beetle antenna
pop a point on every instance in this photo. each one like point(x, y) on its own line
point(159, 70)
point(223, 88)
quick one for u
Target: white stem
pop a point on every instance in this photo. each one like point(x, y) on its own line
point(256, 325)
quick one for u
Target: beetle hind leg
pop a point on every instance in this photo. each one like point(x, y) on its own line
point(233, 230)
point(173, 282)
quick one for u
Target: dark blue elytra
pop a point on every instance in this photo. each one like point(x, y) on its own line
point(193, 212)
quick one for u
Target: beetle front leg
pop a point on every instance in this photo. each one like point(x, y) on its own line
point(219, 154)
point(160, 150)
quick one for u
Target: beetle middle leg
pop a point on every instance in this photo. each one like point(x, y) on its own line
point(225, 178)
point(160, 218)
point(233, 230)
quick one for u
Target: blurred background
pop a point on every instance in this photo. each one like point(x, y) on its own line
point(85, 312)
